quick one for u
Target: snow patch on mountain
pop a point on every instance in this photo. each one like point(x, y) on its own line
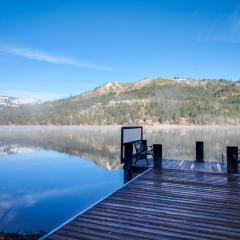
point(6, 101)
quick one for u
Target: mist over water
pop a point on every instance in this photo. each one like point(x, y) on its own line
point(102, 144)
point(179, 142)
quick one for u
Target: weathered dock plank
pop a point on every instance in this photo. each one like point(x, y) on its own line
point(188, 165)
point(164, 204)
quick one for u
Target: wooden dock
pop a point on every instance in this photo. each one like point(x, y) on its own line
point(163, 204)
point(187, 165)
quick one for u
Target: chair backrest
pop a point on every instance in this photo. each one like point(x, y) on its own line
point(129, 134)
point(140, 146)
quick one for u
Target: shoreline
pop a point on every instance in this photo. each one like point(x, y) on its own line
point(117, 126)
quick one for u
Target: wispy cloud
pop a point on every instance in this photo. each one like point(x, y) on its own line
point(228, 33)
point(235, 20)
point(47, 57)
point(12, 203)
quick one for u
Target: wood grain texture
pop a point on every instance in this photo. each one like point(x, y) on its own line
point(164, 204)
point(211, 167)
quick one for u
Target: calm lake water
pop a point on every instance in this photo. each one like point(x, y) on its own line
point(49, 174)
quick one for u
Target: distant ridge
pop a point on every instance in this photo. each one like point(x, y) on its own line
point(6, 101)
point(149, 101)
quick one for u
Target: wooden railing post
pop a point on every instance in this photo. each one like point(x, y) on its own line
point(199, 152)
point(157, 156)
point(232, 160)
point(128, 159)
point(128, 153)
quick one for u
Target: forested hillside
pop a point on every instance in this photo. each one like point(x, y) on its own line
point(150, 101)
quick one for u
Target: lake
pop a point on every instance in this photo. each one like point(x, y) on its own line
point(49, 174)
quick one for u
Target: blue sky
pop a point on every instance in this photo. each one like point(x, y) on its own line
point(51, 49)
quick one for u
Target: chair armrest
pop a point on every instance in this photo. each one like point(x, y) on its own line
point(150, 147)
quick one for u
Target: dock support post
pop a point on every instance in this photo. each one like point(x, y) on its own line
point(128, 153)
point(232, 160)
point(199, 152)
point(157, 156)
point(128, 159)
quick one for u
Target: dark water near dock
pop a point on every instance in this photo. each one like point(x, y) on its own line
point(49, 174)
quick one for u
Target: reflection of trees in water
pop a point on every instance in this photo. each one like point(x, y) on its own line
point(11, 149)
point(102, 144)
point(179, 141)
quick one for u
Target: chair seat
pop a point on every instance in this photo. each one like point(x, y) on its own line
point(148, 152)
point(142, 150)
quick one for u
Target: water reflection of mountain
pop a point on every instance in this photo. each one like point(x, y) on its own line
point(10, 149)
point(102, 144)
point(179, 141)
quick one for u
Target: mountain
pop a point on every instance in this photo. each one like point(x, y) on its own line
point(150, 101)
point(6, 101)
